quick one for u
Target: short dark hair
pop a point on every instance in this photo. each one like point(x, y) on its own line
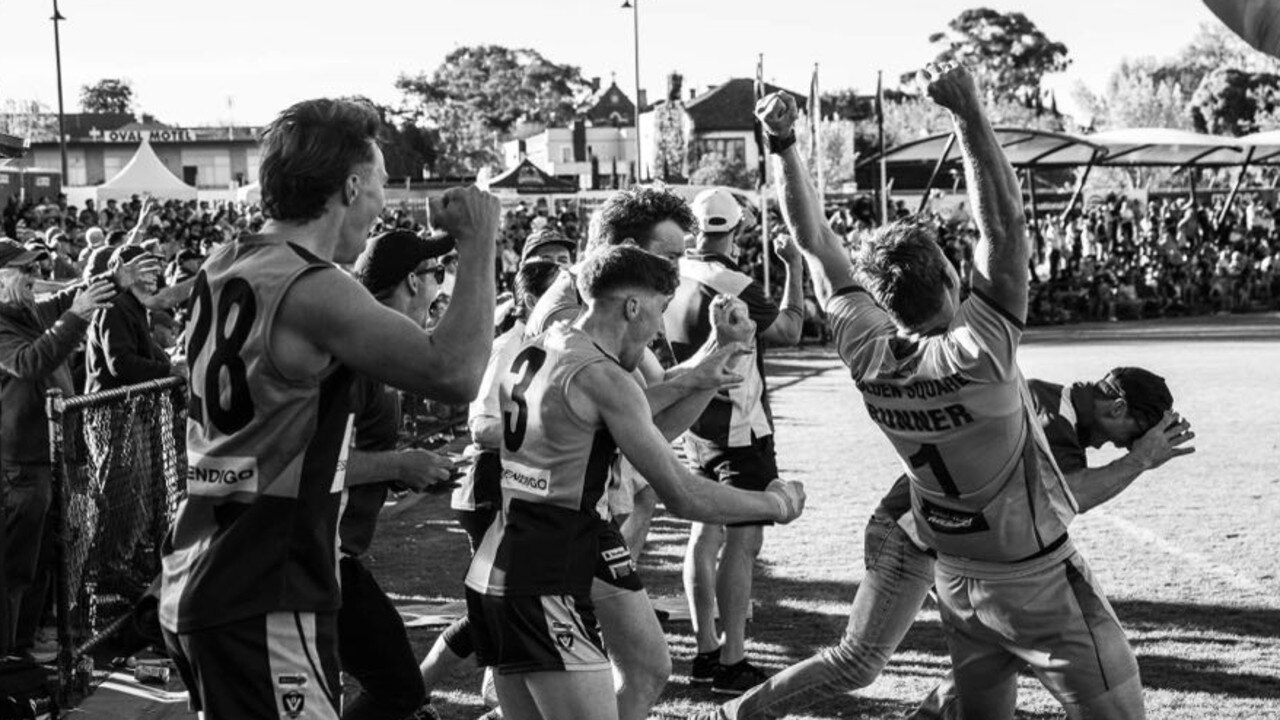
point(1146, 393)
point(901, 266)
point(534, 277)
point(308, 152)
point(116, 237)
point(633, 213)
point(625, 267)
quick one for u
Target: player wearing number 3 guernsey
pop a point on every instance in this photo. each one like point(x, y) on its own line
point(569, 403)
point(250, 593)
point(940, 378)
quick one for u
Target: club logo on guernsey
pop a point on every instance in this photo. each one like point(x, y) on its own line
point(535, 481)
point(294, 703)
point(221, 476)
point(564, 635)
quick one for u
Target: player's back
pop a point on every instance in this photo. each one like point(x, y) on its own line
point(555, 468)
point(955, 407)
point(265, 451)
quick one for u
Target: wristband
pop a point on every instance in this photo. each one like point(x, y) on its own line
point(778, 145)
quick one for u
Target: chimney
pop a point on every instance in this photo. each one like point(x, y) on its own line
point(579, 140)
point(595, 84)
point(675, 83)
point(643, 100)
point(693, 93)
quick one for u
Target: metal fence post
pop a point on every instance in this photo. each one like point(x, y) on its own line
point(62, 600)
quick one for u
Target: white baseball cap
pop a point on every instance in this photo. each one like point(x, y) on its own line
point(716, 210)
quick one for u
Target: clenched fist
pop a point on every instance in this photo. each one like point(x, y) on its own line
point(732, 322)
point(471, 215)
point(951, 86)
point(789, 494)
point(777, 112)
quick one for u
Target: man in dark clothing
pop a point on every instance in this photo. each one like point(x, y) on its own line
point(121, 350)
point(36, 338)
point(399, 269)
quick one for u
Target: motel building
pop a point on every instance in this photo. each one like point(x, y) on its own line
point(100, 144)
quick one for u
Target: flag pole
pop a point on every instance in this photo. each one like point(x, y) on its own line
point(766, 247)
point(816, 104)
point(882, 189)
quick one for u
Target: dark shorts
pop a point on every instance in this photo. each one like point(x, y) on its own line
point(614, 565)
point(535, 633)
point(747, 468)
point(279, 665)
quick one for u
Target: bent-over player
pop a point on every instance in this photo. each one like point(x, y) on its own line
point(1130, 408)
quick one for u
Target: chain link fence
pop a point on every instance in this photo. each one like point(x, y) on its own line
point(119, 469)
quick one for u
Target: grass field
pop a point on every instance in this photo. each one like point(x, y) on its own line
point(1188, 555)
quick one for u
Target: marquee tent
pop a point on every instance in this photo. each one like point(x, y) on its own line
point(143, 175)
point(1025, 147)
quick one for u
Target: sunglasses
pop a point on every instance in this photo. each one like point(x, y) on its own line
point(437, 270)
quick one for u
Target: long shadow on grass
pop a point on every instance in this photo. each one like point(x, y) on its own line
point(790, 632)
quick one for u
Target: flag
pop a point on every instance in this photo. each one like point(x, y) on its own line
point(882, 190)
point(815, 134)
point(1256, 21)
point(761, 152)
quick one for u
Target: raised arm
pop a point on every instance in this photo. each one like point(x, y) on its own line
point(1000, 257)
point(787, 327)
point(617, 401)
point(828, 260)
point(334, 313)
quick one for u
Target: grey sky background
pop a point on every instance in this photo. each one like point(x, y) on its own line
point(206, 63)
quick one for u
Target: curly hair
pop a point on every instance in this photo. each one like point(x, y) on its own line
point(633, 213)
point(308, 152)
point(903, 268)
point(623, 267)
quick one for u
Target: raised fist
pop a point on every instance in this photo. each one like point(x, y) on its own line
point(469, 214)
point(951, 86)
point(790, 497)
point(731, 321)
point(785, 247)
point(777, 112)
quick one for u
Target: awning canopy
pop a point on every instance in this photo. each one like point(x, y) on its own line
point(1263, 148)
point(1149, 147)
point(1025, 148)
point(145, 174)
point(529, 178)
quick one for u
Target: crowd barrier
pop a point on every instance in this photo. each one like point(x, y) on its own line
point(119, 469)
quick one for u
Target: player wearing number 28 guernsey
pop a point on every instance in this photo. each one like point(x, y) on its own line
point(265, 465)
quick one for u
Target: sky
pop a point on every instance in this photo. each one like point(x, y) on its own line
point(242, 61)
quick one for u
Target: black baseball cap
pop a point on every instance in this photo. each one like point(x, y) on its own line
point(542, 237)
point(390, 257)
point(1146, 394)
point(13, 254)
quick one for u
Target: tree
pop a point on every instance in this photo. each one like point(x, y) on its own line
point(716, 169)
point(1228, 101)
point(28, 119)
point(670, 148)
point(406, 148)
point(1006, 51)
point(109, 95)
point(475, 98)
point(502, 85)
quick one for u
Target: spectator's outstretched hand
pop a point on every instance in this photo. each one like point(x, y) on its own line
point(89, 300)
point(785, 247)
point(136, 269)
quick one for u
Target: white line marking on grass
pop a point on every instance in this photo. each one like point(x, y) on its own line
point(1224, 574)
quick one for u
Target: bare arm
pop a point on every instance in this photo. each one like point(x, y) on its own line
point(415, 469)
point(331, 312)
point(787, 327)
point(828, 261)
point(1000, 257)
point(621, 406)
point(170, 296)
point(1165, 441)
